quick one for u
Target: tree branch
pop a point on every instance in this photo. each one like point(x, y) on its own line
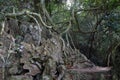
point(90, 9)
point(26, 12)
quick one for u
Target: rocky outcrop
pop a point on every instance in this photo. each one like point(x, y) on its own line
point(36, 55)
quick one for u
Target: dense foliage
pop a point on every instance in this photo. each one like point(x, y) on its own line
point(92, 26)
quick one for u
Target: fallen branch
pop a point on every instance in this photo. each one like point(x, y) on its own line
point(95, 69)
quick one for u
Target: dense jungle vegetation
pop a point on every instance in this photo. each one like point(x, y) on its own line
point(59, 39)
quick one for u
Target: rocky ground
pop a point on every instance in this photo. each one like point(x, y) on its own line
point(32, 52)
